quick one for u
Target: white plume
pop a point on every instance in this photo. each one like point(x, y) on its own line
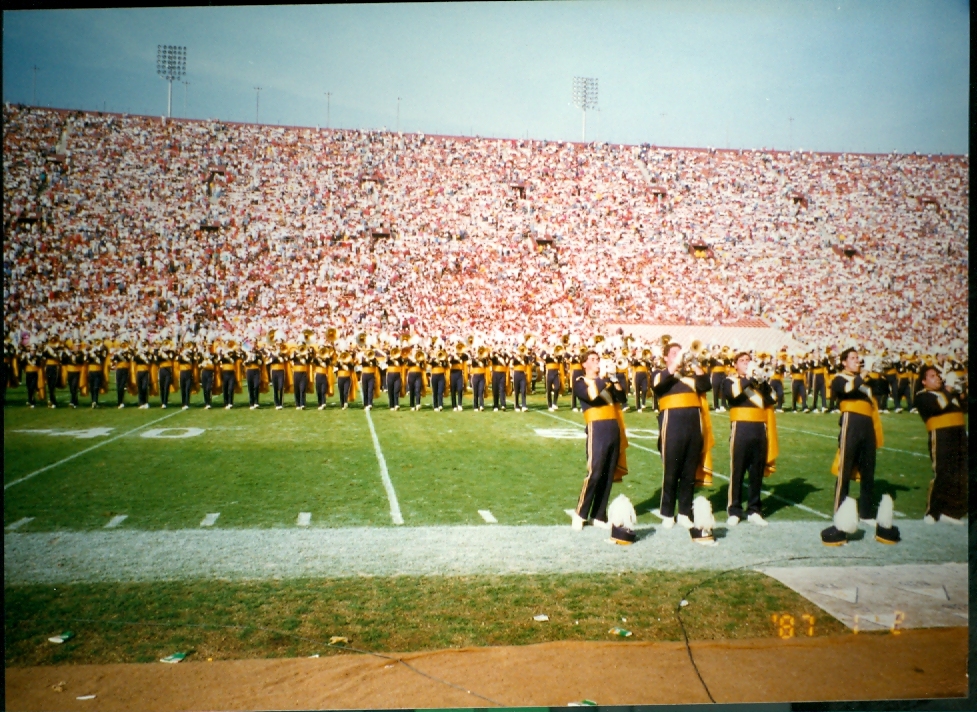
point(884, 518)
point(846, 518)
point(621, 513)
point(702, 514)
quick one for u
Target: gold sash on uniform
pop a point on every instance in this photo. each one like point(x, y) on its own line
point(947, 420)
point(868, 409)
point(703, 475)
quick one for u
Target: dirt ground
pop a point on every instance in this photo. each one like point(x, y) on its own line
point(914, 664)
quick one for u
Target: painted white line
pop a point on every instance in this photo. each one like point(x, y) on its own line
point(395, 514)
point(116, 521)
point(19, 523)
point(304, 519)
point(87, 450)
point(487, 516)
point(210, 519)
point(717, 474)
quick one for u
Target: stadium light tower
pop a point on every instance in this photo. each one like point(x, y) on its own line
point(585, 97)
point(171, 64)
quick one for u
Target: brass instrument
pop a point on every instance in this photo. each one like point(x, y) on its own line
point(441, 355)
point(307, 334)
point(522, 350)
point(558, 351)
point(344, 356)
point(361, 339)
point(405, 338)
point(419, 355)
point(599, 339)
point(483, 352)
point(394, 352)
point(370, 354)
point(470, 340)
point(331, 334)
point(645, 354)
point(460, 347)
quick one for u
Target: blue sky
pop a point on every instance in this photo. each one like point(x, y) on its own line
point(871, 76)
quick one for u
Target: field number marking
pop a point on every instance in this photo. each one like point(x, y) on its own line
point(87, 434)
point(577, 434)
point(116, 521)
point(19, 523)
point(87, 450)
point(210, 519)
point(487, 516)
point(165, 433)
point(395, 514)
point(304, 519)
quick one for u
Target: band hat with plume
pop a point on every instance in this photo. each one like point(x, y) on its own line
point(622, 518)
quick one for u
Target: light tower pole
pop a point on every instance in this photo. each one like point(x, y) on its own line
point(34, 95)
point(171, 65)
point(398, 114)
point(328, 102)
point(585, 97)
point(257, 102)
point(186, 88)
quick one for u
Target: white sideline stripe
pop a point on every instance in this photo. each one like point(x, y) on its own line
point(93, 447)
point(395, 514)
point(717, 474)
point(304, 519)
point(116, 521)
point(487, 516)
point(19, 523)
point(835, 437)
point(210, 519)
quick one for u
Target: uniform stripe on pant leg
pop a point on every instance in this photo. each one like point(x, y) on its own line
point(664, 440)
point(841, 460)
point(590, 472)
point(929, 490)
point(732, 465)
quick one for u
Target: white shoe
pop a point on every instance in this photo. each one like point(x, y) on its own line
point(369, 407)
point(898, 410)
point(94, 405)
point(757, 519)
point(929, 519)
point(780, 410)
point(867, 522)
point(601, 525)
point(685, 521)
point(162, 406)
point(950, 520)
point(228, 406)
point(668, 523)
point(732, 520)
point(277, 407)
point(206, 407)
point(121, 406)
point(913, 410)
point(31, 405)
point(496, 410)
point(345, 406)
point(576, 522)
point(186, 407)
point(72, 405)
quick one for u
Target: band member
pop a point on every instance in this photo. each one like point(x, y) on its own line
point(209, 373)
point(229, 362)
point(34, 369)
point(140, 373)
point(941, 411)
point(416, 364)
point(370, 378)
point(299, 360)
point(779, 369)
point(685, 434)
point(553, 368)
point(798, 392)
point(73, 361)
point(346, 378)
point(500, 378)
point(621, 366)
point(478, 369)
point(439, 367)
point(11, 366)
point(97, 368)
point(458, 364)
point(163, 371)
point(395, 378)
point(892, 378)
point(278, 369)
point(819, 374)
point(322, 369)
point(122, 356)
point(716, 367)
point(52, 369)
point(522, 364)
point(601, 400)
point(254, 374)
point(575, 369)
point(187, 358)
point(860, 436)
point(752, 431)
point(641, 368)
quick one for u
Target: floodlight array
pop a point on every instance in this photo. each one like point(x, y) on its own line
point(171, 62)
point(585, 93)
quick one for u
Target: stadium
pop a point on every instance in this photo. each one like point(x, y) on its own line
point(352, 540)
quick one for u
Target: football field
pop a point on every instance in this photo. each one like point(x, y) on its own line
point(83, 469)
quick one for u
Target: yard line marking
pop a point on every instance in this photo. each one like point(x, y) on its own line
point(93, 447)
point(395, 514)
point(718, 474)
point(835, 437)
point(304, 519)
point(210, 519)
point(116, 521)
point(487, 516)
point(19, 523)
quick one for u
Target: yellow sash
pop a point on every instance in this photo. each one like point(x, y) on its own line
point(947, 420)
point(612, 412)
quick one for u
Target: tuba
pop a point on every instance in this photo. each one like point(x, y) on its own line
point(441, 355)
point(394, 352)
point(483, 352)
point(558, 351)
point(331, 334)
point(460, 348)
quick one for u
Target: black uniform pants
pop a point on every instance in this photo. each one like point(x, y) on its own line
point(622, 378)
point(31, 379)
point(893, 381)
point(574, 374)
point(344, 384)
point(165, 380)
point(640, 389)
point(948, 490)
point(457, 387)
point(778, 388)
point(747, 454)
point(904, 391)
point(186, 386)
point(415, 380)
point(368, 384)
point(121, 383)
point(143, 382)
point(278, 385)
point(478, 390)
point(94, 384)
point(253, 378)
point(519, 388)
point(393, 389)
point(321, 387)
point(51, 374)
point(300, 384)
point(553, 387)
point(74, 384)
point(798, 394)
point(717, 389)
point(498, 389)
point(817, 389)
point(437, 389)
point(603, 449)
point(207, 384)
point(680, 444)
point(856, 446)
point(228, 384)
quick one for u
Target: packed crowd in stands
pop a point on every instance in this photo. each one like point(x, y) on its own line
point(139, 225)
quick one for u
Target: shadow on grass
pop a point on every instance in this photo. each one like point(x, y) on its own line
point(883, 487)
point(650, 503)
point(796, 490)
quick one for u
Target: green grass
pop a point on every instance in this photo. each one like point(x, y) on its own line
point(260, 468)
point(222, 620)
